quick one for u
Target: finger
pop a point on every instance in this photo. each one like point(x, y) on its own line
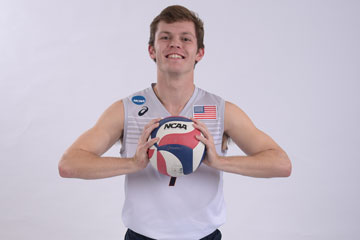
point(144, 147)
point(203, 130)
point(147, 131)
point(206, 161)
point(197, 121)
point(153, 121)
point(210, 147)
point(152, 125)
point(202, 139)
point(151, 143)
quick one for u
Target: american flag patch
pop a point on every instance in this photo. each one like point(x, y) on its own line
point(205, 112)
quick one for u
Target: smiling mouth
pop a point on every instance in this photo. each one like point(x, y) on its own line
point(174, 56)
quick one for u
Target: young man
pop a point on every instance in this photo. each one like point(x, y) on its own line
point(194, 207)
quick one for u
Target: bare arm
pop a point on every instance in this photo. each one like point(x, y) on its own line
point(83, 158)
point(264, 157)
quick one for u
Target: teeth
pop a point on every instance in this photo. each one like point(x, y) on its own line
point(174, 56)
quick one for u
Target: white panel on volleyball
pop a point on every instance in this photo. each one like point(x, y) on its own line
point(197, 155)
point(173, 164)
point(161, 132)
point(153, 159)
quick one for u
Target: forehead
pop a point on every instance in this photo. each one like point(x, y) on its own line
point(176, 27)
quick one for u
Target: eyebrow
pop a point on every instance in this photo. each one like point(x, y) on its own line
point(183, 33)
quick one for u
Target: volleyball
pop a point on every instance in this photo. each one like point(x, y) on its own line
point(177, 152)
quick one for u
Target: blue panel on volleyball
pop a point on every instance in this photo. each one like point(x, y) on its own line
point(183, 153)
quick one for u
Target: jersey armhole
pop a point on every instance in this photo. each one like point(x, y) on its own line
point(124, 137)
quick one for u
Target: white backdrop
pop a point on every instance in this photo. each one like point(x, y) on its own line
point(292, 66)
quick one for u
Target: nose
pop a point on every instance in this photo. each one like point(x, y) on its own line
point(175, 43)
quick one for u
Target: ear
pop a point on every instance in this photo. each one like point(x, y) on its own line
point(152, 52)
point(200, 54)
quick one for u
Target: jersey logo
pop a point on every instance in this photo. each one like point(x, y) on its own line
point(143, 110)
point(138, 100)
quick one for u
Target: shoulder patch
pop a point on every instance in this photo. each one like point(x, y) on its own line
point(138, 100)
point(205, 112)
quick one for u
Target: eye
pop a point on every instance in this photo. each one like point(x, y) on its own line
point(164, 37)
point(185, 39)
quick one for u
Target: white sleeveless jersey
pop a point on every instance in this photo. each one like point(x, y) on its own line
point(194, 207)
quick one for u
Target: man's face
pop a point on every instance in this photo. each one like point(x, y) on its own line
point(175, 48)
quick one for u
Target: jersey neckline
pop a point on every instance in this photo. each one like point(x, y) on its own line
point(166, 112)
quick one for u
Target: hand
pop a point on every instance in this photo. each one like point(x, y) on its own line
point(141, 158)
point(211, 159)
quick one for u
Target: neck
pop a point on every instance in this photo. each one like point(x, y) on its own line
point(174, 91)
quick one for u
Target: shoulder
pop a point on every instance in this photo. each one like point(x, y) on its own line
point(207, 94)
point(139, 97)
point(235, 117)
point(112, 116)
point(232, 109)
point(115, 107)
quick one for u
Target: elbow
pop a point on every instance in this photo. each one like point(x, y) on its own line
point(281, 165)
point(65, 169)
point(287, 170)
point(286, 166)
